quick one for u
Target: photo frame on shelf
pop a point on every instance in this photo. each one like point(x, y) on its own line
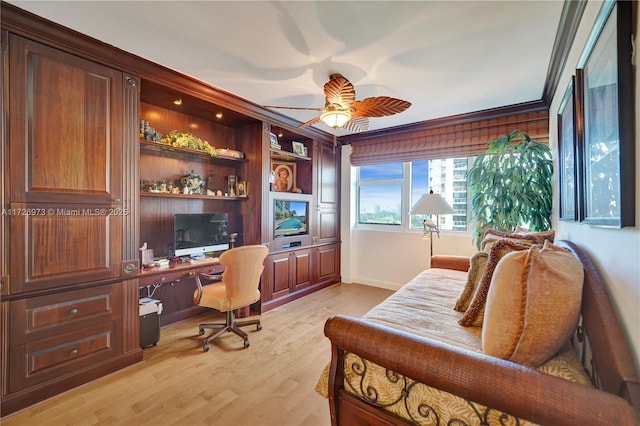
point(298, 148)
point(243, 190)
point(567, 148)
point(285, 176)
point(273, 139)
point(606, 120)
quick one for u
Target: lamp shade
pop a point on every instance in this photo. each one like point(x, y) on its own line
point(335, 118)
point(431, 204)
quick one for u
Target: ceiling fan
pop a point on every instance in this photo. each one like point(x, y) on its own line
point(341, 109)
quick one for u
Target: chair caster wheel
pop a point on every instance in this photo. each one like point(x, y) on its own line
point(246, 344)
point(201, 332)
point(205, 348)
point(259, 326)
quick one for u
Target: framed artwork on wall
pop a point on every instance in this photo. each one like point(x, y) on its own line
point(285, 176)
point(567, 148)
point(604, 81)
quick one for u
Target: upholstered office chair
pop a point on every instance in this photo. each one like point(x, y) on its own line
point(237, 288)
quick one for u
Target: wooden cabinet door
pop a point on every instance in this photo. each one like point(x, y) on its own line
point(302, 267)
point(65, 168)
point(280, 267)
point(66, 127)
point(328, 194)
point(287, 273)
point(327, 261)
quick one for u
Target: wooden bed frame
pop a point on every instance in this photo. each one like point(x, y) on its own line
point(538, 397)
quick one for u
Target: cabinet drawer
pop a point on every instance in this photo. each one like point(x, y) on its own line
point(57, 356)
point(43, 316)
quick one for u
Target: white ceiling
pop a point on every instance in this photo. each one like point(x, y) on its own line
point(445, 57)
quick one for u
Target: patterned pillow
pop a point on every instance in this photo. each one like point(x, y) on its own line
point(533, 305)
point(490, 236)
point(474, 314)
point(478, 263)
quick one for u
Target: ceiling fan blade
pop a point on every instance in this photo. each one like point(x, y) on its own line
point(310, 122)
point(379, 106)
point(357, 124)
point(297, 108)
point(339, 91)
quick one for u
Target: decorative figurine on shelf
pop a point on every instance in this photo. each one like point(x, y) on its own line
point(191, 183)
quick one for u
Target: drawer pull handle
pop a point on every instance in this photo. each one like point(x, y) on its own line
point(74, 351)
point(73, 311)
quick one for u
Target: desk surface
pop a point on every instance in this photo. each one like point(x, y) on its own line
point(180, 266)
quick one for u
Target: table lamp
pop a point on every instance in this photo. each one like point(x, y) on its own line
point(431, 204)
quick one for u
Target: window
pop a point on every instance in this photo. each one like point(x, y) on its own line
point(379, 194)
point(387, 191)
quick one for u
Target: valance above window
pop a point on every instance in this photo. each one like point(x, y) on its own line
point(447, 141)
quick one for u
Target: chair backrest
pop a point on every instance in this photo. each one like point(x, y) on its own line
point(243, 269)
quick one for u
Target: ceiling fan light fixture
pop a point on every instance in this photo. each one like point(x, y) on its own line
point(335, 118)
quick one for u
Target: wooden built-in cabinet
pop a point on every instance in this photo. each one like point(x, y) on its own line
point(300, 264)
point(65, 168)
point(76, 210)
point(70, 284)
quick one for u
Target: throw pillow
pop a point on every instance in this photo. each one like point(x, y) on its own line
point(533, 305)
point(477, 265)
point(491, 235)
point(474, 314)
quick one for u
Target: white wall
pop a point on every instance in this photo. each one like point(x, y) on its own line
point(391, 259)
point(387, 259)
point(615, 252)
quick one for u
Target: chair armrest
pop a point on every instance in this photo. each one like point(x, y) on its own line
point(496, 383)
point(458, 263)
point(198, 279)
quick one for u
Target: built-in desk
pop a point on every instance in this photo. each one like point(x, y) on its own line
point(174, 286)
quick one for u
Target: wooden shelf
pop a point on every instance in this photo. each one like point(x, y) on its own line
point(279, 154)
point(186, 152)
point(193, 196)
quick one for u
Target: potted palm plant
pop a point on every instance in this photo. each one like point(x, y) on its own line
point(511, 185)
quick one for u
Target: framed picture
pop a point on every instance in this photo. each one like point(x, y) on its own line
point(606, 123)
point(243, 190)
point(298, 148)
point(567, 171)
point(273, 138)
point(285, 176)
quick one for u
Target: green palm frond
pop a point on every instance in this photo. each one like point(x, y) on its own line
point(511, 185)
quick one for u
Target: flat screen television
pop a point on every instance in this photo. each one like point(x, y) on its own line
point(290, 218)
point(197, 234)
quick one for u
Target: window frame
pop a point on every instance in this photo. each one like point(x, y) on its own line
point(405, 202)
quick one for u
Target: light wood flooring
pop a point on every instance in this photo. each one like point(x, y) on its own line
point(270, 383)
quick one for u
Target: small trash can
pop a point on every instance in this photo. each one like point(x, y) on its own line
point(150, 310)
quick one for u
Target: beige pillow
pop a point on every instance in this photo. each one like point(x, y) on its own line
point(474, 314)
point(477, 265)
point(533, 305)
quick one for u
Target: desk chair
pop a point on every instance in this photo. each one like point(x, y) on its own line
point(236, 288)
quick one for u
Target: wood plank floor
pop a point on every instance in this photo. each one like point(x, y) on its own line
point(270, 383)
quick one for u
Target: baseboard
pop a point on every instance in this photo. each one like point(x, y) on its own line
point(379, 284)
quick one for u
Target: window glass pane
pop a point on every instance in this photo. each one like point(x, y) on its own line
point(447, 177)
point(419, 180)
point(381, 171)
point(380, 204)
